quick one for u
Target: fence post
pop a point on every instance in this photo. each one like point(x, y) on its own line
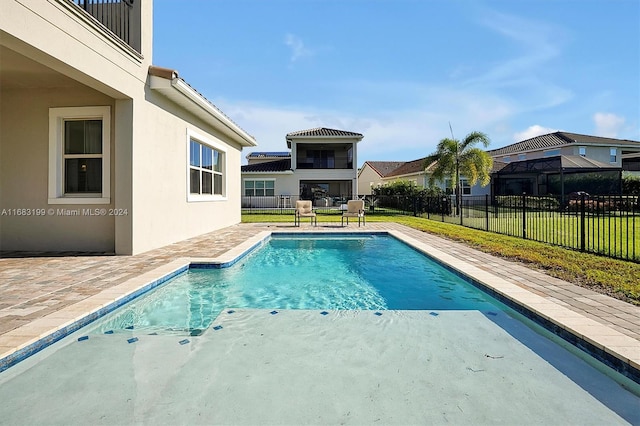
point(461, 207)
point(582, 222)
point(486, 210)
point(444, 206)
point(524, 215)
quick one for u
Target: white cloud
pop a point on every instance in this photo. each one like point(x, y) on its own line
point(532, 132)
point(398, 134)
point(298, 49)
point(524, 76)
point(608, 124)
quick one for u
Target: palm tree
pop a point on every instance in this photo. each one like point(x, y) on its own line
point(461, 158)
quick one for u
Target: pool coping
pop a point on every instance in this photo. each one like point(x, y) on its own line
point(619, 351)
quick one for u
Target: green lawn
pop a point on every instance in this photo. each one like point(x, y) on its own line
point(613, 236)
point(617, 278)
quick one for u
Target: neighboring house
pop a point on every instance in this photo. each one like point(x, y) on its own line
point(322, 167)
point(415, 172)
point(372, 174)
point(100, 151)
point(601, 149)
point(560, 163)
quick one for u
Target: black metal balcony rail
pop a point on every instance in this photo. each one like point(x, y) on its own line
point(118, 16)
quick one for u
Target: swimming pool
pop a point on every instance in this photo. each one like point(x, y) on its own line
point(478, 363)
point(304, 272)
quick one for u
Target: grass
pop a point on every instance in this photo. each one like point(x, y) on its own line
point(616, 278)
point(609, 235)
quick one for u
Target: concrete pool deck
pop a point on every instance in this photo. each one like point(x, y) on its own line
point(41, 294)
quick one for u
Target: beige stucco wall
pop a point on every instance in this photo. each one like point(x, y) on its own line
point(52, 34)
point(368, 179)
point(162, 213)
point(24, 160)
point(285, 184)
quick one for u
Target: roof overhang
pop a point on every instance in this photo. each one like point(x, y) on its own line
point(323, 139)
point(167, 83)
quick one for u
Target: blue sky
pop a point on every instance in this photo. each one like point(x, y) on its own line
point(399, 71)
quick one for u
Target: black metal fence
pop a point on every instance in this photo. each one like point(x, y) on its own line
point(605, 225)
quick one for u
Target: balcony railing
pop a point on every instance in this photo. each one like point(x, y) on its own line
point(121, 17)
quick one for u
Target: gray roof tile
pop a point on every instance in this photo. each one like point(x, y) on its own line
point(323, 132)
point(558, 139)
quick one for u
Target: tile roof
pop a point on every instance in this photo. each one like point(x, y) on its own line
point(284, 154)
point(415, 166)
point(557, 139)
point(268, 166)
point(383, 168)
point(323, 132)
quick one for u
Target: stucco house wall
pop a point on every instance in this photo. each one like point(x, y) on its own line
point(53, 56)
point(27, 223)
point(368, 179)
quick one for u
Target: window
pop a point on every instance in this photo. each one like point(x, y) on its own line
point(79, 160)
point(582, 151)
point(613, 155)
point(552, 153)
point(506, 159)
point(522, 157)
point(259, 188)
point(206, 169)
point(465, 187)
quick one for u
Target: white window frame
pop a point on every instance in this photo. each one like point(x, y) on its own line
point(213, 144)
point(582, 151)
point(613, 155)
point(465, 187)
point(57, 118)
point(244, 189)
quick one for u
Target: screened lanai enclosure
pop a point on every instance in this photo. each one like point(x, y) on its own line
point(560, 175)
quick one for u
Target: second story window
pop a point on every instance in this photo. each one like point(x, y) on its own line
point(582, 151)
point(613, 155)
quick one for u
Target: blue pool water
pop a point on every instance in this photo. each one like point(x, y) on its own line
point(369, 272)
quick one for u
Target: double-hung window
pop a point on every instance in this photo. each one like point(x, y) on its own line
point(79, 160)
point(206, 169)
point(613, 155)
